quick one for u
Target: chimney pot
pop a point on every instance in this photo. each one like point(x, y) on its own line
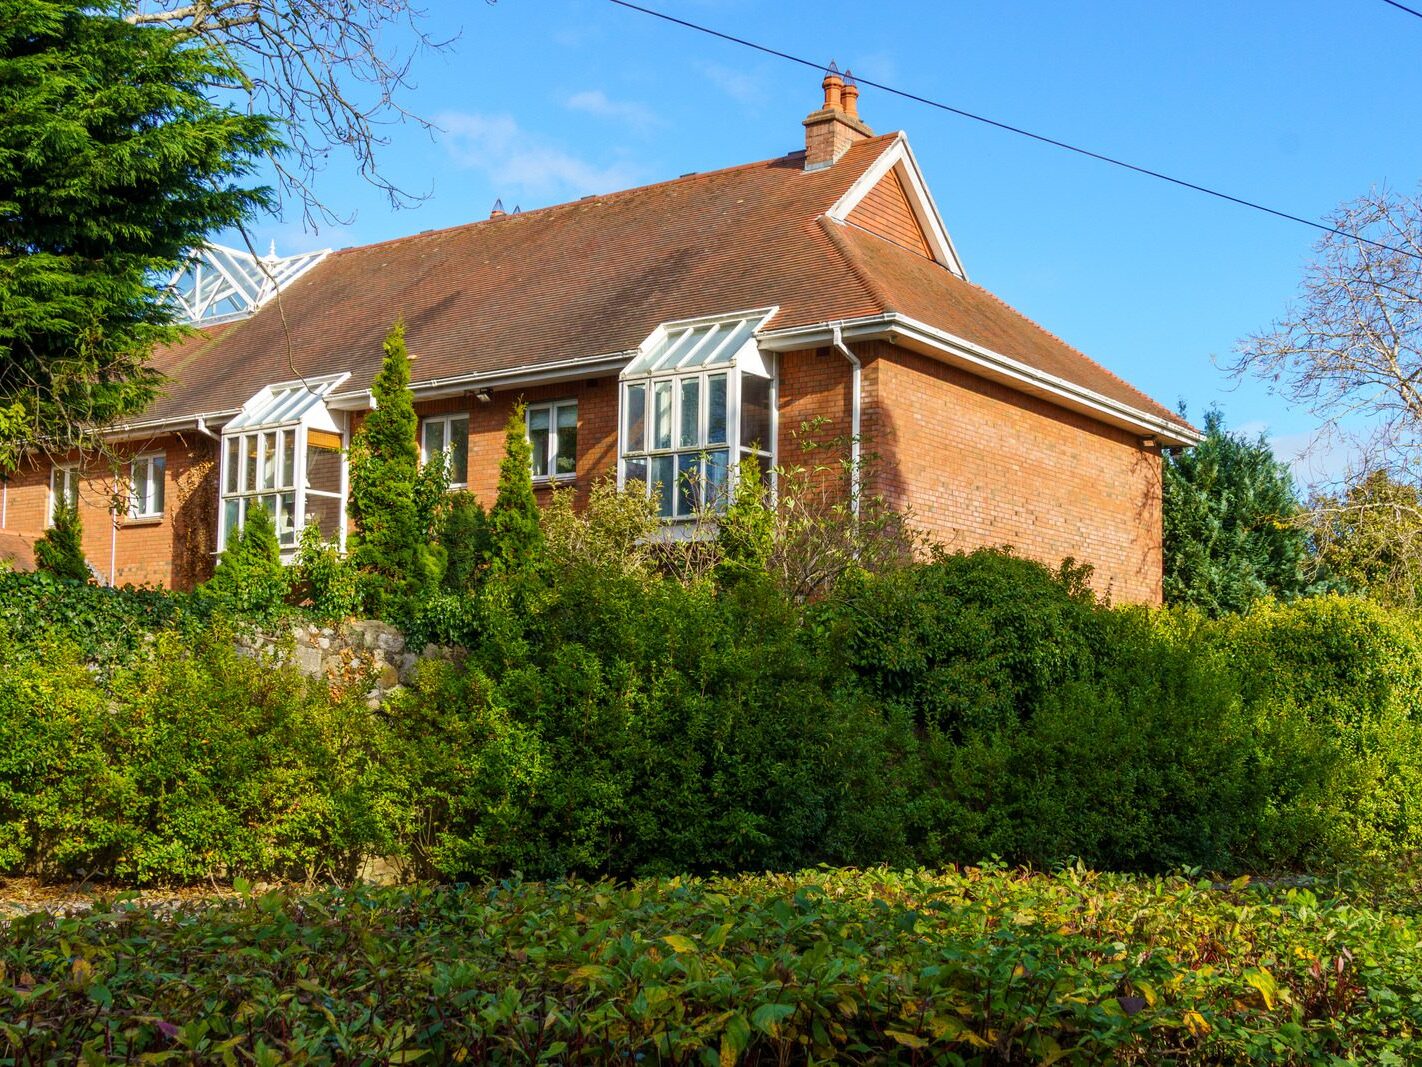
point(851, 95)
point(498, 211)
point(833, 85)
point(833, 128)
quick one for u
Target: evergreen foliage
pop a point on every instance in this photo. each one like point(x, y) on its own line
point(250, 579)
point(61, 550)
point(464, 536)
point(114, 163)
point(384, 470)
point(746, 532)
point(1232, 524)
point(515, 534)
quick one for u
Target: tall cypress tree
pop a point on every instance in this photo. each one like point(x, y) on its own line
point(385, 464)
point(61, 551)
point(515, 536)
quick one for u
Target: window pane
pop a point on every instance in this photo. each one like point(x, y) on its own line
point(324, 512)
point(566, 459)
point(688, 479)
point(538, 436)
point(716, 409)
point(269, 460)
point(663, 477)
point(323, 467)
point(635, 418)
point(662, 415)
point(286, 519)
point(270, 503)
point(137, 487)
point(434, 438)
point(231, 519)
point(249, 466)
point(634, 470)
point(234, 463)
point(71, 486)
point(288, 458)
point(690, 435)
point(459, 450)
point(755, 412)
point(158, 467)
point(716, 483)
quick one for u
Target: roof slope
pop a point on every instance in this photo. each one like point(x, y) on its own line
point(594, 277)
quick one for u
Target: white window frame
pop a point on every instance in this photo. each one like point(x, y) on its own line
point(552, 407)
point(66, 474)
point(245, 494)
point(448, 420)
point(734, 448)
point(146, 463)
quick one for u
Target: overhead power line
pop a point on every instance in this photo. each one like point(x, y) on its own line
point(1042, 138)
point(1404, 7)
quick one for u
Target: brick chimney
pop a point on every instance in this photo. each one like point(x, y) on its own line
point(833, 128)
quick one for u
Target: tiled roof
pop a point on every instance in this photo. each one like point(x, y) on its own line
point(17, 550)
point(593, 278)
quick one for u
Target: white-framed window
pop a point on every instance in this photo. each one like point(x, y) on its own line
point(447, 436)
point(63, 487)
point(145, 486)
point(699, 398)
point(285, 452)
point(553, 439)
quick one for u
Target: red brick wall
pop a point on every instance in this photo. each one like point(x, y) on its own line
point(983, 465)
point(173, 549)
point(885, 211)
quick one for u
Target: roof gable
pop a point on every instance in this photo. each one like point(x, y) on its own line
point(885, 212)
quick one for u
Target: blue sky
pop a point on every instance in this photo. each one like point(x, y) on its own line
point(1299, 104)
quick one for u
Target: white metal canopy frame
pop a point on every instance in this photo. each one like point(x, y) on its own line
point(284, 451)
point(220, 284)
point(698, 397)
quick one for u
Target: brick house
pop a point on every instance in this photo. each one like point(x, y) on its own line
point(656, 334)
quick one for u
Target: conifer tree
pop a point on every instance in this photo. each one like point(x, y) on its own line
point(60, 551)
point(515, 536)
point(385, 466)
point(250, 578)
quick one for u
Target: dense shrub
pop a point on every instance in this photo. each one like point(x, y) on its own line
point(250, 580)
point(970, 967)
point(60, 551)
point(189, 763)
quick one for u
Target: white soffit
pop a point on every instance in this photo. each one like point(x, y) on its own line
point(288, 404)
point(220, 284)
point(899, 158)
point(711, 341)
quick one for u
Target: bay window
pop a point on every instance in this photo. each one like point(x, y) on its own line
point(285, 453)
point(696, 400)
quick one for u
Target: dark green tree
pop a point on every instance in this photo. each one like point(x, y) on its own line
point(515, 535)
point(1232, 524)
point(385, 466)
point(464, 535)
point(250, 580)
point(114, 164)
point(61, 550)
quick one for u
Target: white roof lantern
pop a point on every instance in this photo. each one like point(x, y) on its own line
point(220, 284)
point(697, 344)
point(299, 403)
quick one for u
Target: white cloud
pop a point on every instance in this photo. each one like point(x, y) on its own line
point(595, 102)
point(518, 162)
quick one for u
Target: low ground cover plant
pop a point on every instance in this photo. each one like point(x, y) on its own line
point(964, 967)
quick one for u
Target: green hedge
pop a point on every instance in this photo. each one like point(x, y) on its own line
point(967, 967)
point(608, 722)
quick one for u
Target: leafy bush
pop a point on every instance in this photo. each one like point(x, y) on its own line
point(971, 967)
point(190, 763)
point(327, 583)
point(250, 581)
point(61, 550)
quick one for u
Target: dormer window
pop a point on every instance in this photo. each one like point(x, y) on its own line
point(697, 399)
point(284, 452)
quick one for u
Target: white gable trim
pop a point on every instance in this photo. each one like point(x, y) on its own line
point(899, 158)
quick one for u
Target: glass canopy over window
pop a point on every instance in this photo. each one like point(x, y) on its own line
point(697, 398)
point(283, 452)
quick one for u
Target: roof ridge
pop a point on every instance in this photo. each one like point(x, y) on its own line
point(693, 177)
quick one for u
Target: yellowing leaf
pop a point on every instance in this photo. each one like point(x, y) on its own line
point(680, 943)
point(1195, 1023)
point(1263, 981)
point(910, 1040)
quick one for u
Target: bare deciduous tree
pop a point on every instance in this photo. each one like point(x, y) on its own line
point(328, 69)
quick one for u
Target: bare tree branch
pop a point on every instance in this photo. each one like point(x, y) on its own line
point(327, 69)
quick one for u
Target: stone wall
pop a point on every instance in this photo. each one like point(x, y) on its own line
point(362, 652)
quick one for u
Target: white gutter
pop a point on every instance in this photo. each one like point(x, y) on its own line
point(854, 409)
point(459, 384)
point(898, 329)
point(202, 429)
